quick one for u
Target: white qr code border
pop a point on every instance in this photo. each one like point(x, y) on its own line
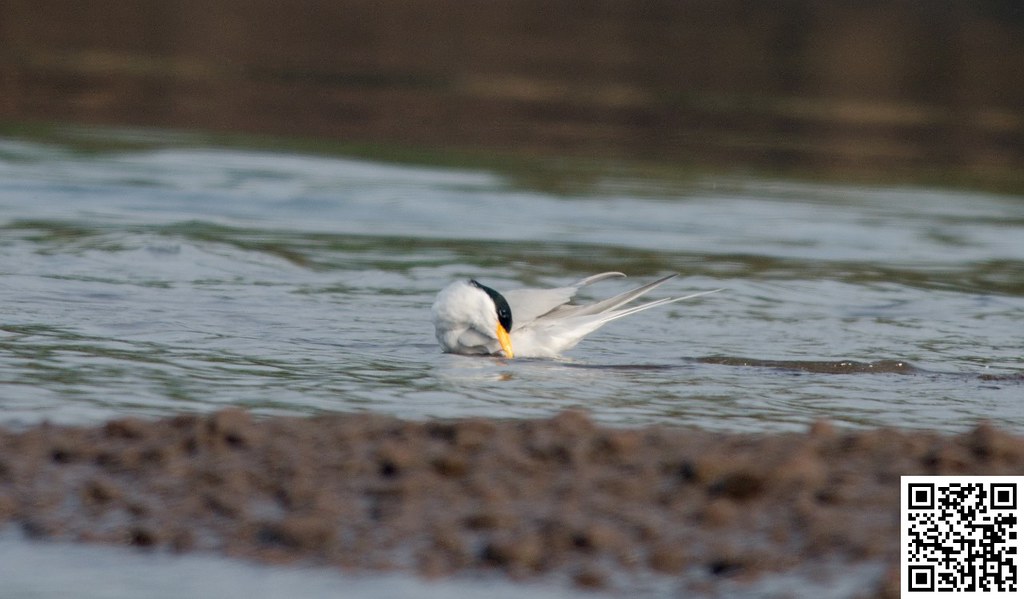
point(926, 577)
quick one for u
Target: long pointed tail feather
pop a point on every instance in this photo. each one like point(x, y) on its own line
point(607, 305)
point(613, 315)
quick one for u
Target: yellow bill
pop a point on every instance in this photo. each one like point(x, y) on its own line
point(505, 341)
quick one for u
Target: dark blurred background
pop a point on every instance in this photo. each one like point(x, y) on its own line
point(890, 89)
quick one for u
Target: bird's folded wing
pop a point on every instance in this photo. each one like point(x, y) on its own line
point(530, 304)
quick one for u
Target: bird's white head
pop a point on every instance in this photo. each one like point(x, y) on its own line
point(468, 305)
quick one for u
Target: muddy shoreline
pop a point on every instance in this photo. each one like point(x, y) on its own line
point(560, 497)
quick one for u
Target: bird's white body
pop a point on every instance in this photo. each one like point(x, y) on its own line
point(543, 322)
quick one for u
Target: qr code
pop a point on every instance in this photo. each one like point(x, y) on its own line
point(961, 535)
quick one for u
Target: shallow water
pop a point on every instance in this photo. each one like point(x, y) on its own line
point(116, 573)
point(148, 282)
point(100, 572)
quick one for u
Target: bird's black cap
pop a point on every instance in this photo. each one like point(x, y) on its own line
point(500, 304)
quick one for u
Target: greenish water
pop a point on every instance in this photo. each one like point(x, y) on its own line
point(153, 281)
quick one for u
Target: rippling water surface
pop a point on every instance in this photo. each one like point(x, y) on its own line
point(149, 282)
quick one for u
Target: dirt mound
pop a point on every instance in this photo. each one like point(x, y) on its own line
point(561, 496)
